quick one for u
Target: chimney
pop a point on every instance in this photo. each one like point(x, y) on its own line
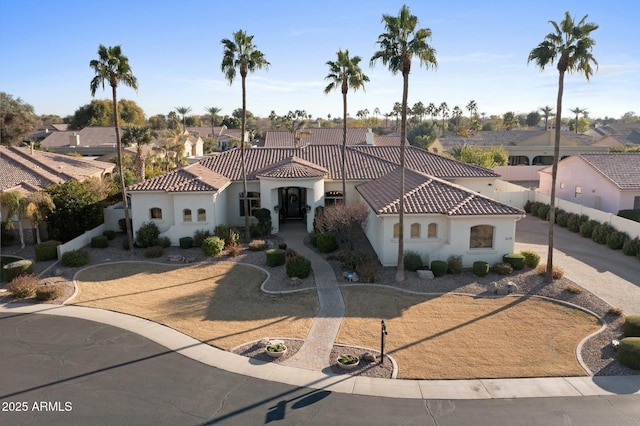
point(74, 140)
point(369, 137)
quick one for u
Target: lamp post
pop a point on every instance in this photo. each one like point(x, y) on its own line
point(383, 332)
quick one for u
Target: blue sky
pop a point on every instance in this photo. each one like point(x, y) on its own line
point(175, 52)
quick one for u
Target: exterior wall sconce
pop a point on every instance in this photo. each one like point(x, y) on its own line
point(308, 207)
point(276, 209)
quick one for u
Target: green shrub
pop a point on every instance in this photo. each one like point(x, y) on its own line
point(185, 242)
point(263, 228)
point(573, 222)
point(535, 206)
point(48, 292)
point(516, 260)
point(47, 250)
point(454, 264)
point(262, 214)
point(632, 326)
point(352, 259)
point(313, 239)
point(228, 233)
point(527, 206)
point(616, 240)
point(326, 242)
point(543, 211)
point(586, 229)
point(110, 234)
point(298, 266)
point(561, 218)
point(163, 242)
point(153, 251)
point(147, 234)
point(100, 241)
point(276, 257)
point(629, 352)
point(480, 268)
point(503, 268)
point(18, 268)
point(412, 261)
point(23, 286)
point(631, 247)
point(199, 236)
point(257, 245)
point(75, 258)
point(531, 258)
point(368, 271)
point(212, 246)
point(439, 267)
point(601, 232)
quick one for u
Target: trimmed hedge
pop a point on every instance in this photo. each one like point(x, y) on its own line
point(47, 250)
point(186, 242)
point(298, 266)
point(439, 267)
point(632, 326)
point(480, 268)
point(631, 247)
point(531, 258)
point(100, 241)
point(276, 257)
point(110, 234)
point(586, 229)
point(75, 258)
point(616, 240)
point(18, 268)
point(629, 352)
point(326, 242)
point(516, 260)
point(212, 246)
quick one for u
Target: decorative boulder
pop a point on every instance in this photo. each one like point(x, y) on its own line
point(425, 274)
point(502, 291)
point(368, 356)
point(513, 287)
point(492, 287)
point(295, 282)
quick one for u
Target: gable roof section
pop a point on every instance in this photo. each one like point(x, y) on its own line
point(292, 167)
point(316, 136)
point(622, 169)
point(193, 178)
point(428, 195)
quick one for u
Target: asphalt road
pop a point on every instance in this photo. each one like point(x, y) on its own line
point(67, 371)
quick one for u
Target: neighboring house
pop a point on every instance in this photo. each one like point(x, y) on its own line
point(328, 136)
point(618, 137)
point(607, 182)
point(225, 137)
point(43, 131)
point(449, 209)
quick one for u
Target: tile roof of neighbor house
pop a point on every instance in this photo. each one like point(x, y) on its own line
point(622, 169)
point(386, 140)
point(506, 138)
point(32, 170)
point(193, 178)
point(205, 132)
point(89, 136)
point(316, 136)
point(428, 195)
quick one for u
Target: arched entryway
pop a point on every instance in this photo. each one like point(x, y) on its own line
point(292, 202)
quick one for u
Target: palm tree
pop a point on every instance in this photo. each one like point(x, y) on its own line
point(345, 73)
point(112, 66)
point(241, 55)
point(183, 111)
point(213, 111)
point(456, 113)
point(547, 112)
point(444, 110)
point(472, 107)
point(577, 111)
point(400, 42)
point(138, 136)
point(571, 46)
point(376, 112)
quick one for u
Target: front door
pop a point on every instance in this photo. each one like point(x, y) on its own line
point(293, 202)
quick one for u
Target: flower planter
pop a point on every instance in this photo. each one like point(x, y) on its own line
point(278, 352)
point(348, 365)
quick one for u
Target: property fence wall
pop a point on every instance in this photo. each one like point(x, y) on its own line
point(519, 173)
point(80, 241)
point(112, 215)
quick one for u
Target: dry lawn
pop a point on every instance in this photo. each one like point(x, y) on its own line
point(220, 304)
point(462, 337)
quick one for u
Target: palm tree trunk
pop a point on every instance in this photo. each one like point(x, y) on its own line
point(403, 137)
point(344, 147)
point(125, 202)
point(247, 235)
point(548, 277)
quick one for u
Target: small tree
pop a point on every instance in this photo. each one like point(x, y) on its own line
point(343, 220)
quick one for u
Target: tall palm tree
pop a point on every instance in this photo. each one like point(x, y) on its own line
point(345, 73)
point(183, 111)
point(472, 107)
point(400, 42)
point(241, 55)
point(444, 110)
point(547, 112)
point(113, 67)
point(570, 44)
point(577, 111)
point(213, 111)
point(138, 136)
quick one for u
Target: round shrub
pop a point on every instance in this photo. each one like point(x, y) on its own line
point(352, 259)
point(480, 268)
point(454, 264)
point(298, 266)
point(313, 239)
point(153, 251)
point(601, 233)
point(276, 257)
point(185, 242)
point(503, 268)
point(75, 258)
point(257, 245)
point(18, 268)
point(516, 260)
point(531, 258)
point(561, 218)
point(631, 247)
point(573, 222)
point(586, 229)
point(48, 292)
point(616, 240)
point(23, 286)
point(212, 246)
point(110, 234)
point(412, 261)
point(629, 352)
point(368, 271)
point(147, 234)
point(632, 326)
point(100, 241)
point(439, 267)
point(199, 236)
point(543, 211)
point(47, 250)
point(326, 242)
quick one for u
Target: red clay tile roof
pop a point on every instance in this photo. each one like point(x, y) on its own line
point(316, 136)
point(292, 167)
point(193, 178)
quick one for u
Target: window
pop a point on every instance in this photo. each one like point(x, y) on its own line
point(156, 213)
point(396, 230)
point(186, 215)
point(333, 197)
point(578, 193)
point(432, 230)
point(202, 215)
point(415, 230)
point(254, 202)
point(481, 236)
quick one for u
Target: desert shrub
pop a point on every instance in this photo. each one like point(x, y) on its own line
point(574, 289)
point(344, 220)
point(212, 246)
point(543, 211)
point(480, 268)
point(290, 253)
point(47, 250)
point(614, 311)
point(276, 257)
point(326, 242)
point(601, 233)
point(352, 259)
point(629, 352)
point(616, 240)
point(298, 266)
point(185, 242)
point(257, 245)
point(313, 239)
point(368, 271)
point(199, 236)
point(100, 241)
point(75, 258)
point(163, 242)
point(531, 258)
point(503, 268)
point(412, 261)
point(454, 264)
point(110, 234)
point(516, 260)
point(561, 218)
point(631, 247)
point(235, 250)
point(153, 251)
point(632, 326)
point(556, 271)
point(48, 292)
point(23, 286)
point(18, 268)
point(439, 267)
point(147, 234)
point(535, 206)
point(227, 233)
point(586, 229)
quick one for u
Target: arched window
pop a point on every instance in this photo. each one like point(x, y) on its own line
point(481, 236)
point(155, 213)
point(432, 230)
point(415, 230)
point(333, 197)
point(186, 215)
point(202, 215)
point(254, 202)
point(396, 230)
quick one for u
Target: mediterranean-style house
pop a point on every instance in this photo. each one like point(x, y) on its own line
point(607, 182)
point(448, 205)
